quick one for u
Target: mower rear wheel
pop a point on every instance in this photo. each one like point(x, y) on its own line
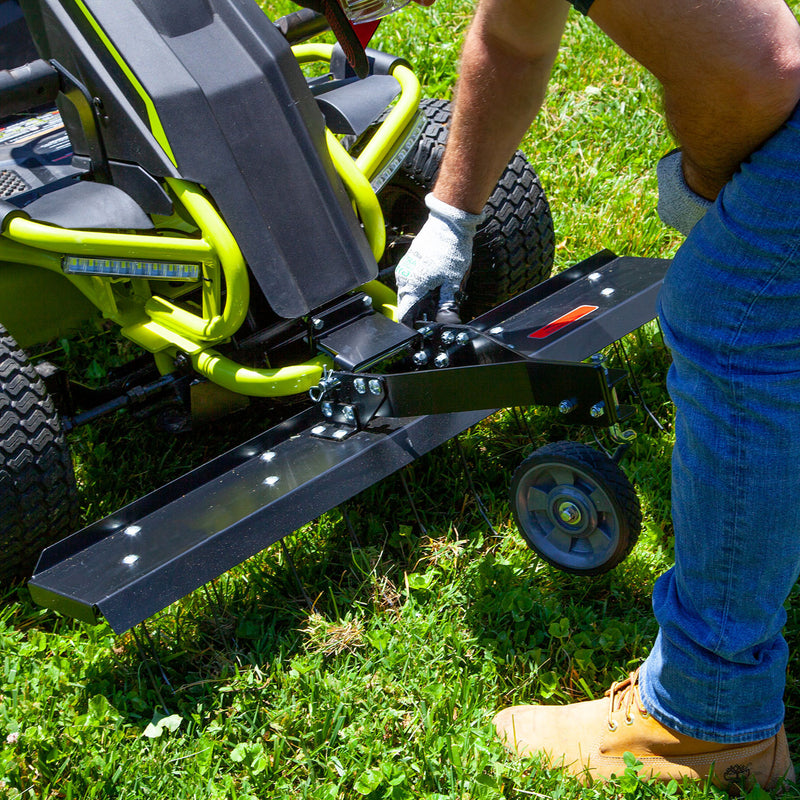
point(515, 244)
point(38, 497)
point(576, 508)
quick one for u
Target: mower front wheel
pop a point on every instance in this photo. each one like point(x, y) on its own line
point(576, 508)
point(38, 496)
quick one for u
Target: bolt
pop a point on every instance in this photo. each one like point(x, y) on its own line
point(327, 409)
point(569, 513)
point(349, 413)
point(367, 301)
point(597, 410)
point(421, 358)
point(131, 559)
point(360, 385)
point(497, 329)
point(565, 406)
point(426, 331)
point(607, 292)
point(594, 277)
point(462, 338)
point(375, 386)
point(441, 360)
point(317, 323)
point(448, 337)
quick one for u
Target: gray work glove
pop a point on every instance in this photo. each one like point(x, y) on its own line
point(678, 206)
point(430, 274)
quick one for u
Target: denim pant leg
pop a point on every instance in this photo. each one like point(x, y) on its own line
point(730, 310)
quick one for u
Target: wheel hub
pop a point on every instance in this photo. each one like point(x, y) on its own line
point(570, 510)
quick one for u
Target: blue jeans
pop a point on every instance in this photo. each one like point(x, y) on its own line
point(730, 310)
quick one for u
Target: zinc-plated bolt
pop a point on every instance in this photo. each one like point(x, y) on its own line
point(317, 323)
point(349, 413)
point(462, 338)
point(569, 513)
point(497, 329)
point(597, 410)
point(441, 360)
point(360, 385)
point(327, 409)
point(448, 337)
point(367, 301)
point(420, 358)
point(565, 406)
point(426, 331)
point(375, 386)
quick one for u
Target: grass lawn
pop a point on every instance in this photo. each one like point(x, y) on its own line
point(386, 689)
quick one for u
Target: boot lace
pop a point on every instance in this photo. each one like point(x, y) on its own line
point(624, 695)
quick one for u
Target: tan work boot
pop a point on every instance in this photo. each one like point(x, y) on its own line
point(589, 739)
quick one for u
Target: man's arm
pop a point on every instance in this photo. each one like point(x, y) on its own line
point(730, 70)
point(505, 66)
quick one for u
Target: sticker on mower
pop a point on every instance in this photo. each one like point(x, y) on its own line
point(565, 319)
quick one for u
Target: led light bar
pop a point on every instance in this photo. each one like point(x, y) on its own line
point(122, 268)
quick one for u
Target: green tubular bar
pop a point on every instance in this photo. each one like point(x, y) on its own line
point(361, 193)
point(216, 233)
point(278, 382)
point(398, 119)
point(216, 246)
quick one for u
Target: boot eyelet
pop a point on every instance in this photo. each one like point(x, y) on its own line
point(612, 726)
point(644, 714)
point(628, 720)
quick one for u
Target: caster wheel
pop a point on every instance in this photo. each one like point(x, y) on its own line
point(576, 508)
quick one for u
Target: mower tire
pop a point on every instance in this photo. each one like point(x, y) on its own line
point(38, 496)
point(576, 508)
point(515, 243)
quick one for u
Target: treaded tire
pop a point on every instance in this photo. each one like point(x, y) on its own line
point(514, 246)
point(601, 518)
point(38, 497)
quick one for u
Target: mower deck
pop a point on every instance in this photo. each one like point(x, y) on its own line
point(530, 350)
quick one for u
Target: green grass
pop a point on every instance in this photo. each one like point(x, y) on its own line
point(386, 689)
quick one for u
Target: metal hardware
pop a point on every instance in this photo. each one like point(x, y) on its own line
point(570, 513)
point(448, 337)
point(375, 386)
point(441, 360)
point(565, 406)
point(420, 358)
point(597, 410)
point(360, 385)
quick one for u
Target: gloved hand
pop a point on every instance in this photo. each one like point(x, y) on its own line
point(678, 206)
point(430, 274)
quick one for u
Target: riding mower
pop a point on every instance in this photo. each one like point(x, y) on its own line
point(232, 199)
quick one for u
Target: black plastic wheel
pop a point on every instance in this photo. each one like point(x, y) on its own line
point(38, 498)
point(514, 246)
point(576, 508)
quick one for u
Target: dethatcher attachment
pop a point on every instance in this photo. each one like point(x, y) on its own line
point(393, 395)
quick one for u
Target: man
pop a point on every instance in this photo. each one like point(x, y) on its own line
point(709, 696)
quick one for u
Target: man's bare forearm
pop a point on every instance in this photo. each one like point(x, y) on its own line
point(505, 66)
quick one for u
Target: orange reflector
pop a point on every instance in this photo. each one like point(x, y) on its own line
point(566, 319)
